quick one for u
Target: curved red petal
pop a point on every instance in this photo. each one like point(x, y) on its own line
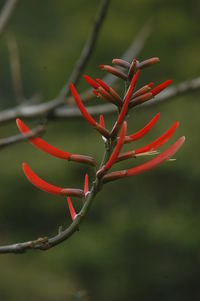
point(39, 183)
point(159, 141)
point(40, 143)
point(71, 208)
point(118, 147)
point(158, 160)
point(144, 130)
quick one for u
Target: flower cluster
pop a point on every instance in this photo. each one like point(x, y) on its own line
point(115, 138)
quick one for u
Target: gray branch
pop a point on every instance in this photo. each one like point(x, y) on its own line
point(34, 111)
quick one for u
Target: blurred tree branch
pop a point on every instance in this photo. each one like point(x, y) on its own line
point(6, 13)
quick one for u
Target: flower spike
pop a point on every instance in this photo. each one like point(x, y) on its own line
point(43, 185)
point(71, 208)
point(143, 131)
point(166, 155)
point(85, 113)
point(52, 150)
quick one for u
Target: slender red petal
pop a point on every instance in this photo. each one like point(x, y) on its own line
point(161, 87)
point(160, 141)
point(118, 147)
point(158, 160)
point(117, 72)
point(43, 185)
point(41, 144)
point(101, 121)
point(86, 115)
point(90, 81)
point(71, 208)
point(86, 185)
point(144, 130)
point(103, 84)
point(39, 183)
point(82, 108)
point(51, 150)
point(166, 155)
point(125, 104)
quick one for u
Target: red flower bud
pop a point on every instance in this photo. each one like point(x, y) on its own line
point(147, 63)
point(121, 63)
point(117, 72)
point(161, 87)
point(86, 185)
point(85, 113)
point(166, 155)
point(43, 185)
point(159, 141)
point(90, 81)
point(143, 131)
point(52, 150)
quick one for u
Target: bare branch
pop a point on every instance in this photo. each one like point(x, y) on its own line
point(20, 138)
point(6, 12)
point(33, 111)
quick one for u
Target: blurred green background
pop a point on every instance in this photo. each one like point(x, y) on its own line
point(141, 240)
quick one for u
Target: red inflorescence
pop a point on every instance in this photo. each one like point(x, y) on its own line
point(113, 139)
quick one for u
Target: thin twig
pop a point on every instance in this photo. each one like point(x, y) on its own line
point(20, 138)
point(6, 13)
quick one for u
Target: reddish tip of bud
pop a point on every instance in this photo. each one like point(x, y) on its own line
point(86, 185)
point(103, 84)
point(150, 85)
point(90, 81)
point(71, 208)
point(95, 93)
point(101, 66)
point(161, 87)
point(38, 182)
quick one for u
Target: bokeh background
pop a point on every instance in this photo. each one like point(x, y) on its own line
point(141, 240)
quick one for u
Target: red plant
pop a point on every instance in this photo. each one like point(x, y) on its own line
point(114, 139)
